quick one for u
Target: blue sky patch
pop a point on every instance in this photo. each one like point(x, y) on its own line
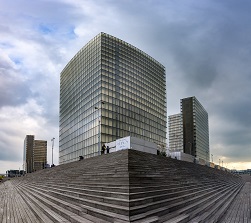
point(45, 29)
point(16, 60)
point(71, 34)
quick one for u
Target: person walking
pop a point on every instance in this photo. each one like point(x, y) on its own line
point(107, 149)
point(103, 149)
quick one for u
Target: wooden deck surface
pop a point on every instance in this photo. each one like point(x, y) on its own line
point(14, 209)
point(240, 210)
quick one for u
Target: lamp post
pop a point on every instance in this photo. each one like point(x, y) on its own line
point(99, 126)
point(212, 156)
point(52, 140)
point(219, 162)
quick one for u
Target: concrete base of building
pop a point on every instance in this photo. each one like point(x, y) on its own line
point(182, 156)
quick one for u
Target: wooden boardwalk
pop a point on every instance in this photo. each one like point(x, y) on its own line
point(240, 210)
point(133, 187)
point(14, 209)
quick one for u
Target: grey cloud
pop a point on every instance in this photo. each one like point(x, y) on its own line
point(8, 151)
point(14, 90)
point(236, 153)
point(13, 94)
point(238, 112)
point(214, 47)
point(208, 43)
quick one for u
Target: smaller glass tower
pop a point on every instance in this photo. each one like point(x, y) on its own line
point(195, 128)
point(175, 127)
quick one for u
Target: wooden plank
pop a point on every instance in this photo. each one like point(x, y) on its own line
point(26, 213)
point(8, 220)
point(46, 215)
point(4, 218)
point(239, 210)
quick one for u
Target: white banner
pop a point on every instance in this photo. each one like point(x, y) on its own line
point(123, 143)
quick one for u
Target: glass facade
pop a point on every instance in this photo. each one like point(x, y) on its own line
point(28, 153)
point(35, 154)
point(175, 127)
point(39, 154)
point(109, 90)
point(195, 128)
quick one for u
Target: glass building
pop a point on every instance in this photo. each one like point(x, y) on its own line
point(175, 127)
point(109, 90)
point(39, 154)
point(28, 153)
point(195, 128)
point(35, 154)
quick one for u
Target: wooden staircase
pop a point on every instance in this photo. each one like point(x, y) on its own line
point(126, 186)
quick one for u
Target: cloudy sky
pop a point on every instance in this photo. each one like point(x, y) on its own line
point(204, 45)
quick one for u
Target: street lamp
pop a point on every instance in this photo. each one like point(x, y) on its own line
point(99, 127)
point(219, 162)
point(52, 140)
point(212, 156)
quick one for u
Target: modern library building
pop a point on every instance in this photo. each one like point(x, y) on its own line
point(110, 90)
point(35, 154)
point(189, 130)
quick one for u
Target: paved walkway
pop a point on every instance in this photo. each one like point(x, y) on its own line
point(240, 209)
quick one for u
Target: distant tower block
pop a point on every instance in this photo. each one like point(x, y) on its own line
point(195, 128)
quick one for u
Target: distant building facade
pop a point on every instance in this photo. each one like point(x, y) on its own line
point(188, 130)
point(35, 154)
point(175, 127)
point(28, 153)
point(40, 154)
point(195, 128)
point(14, 173)
point(110, 90)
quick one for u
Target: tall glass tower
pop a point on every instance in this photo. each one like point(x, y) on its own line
point(109, 90)
point(35, 154)
point(175, 127)
point(195, 128)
